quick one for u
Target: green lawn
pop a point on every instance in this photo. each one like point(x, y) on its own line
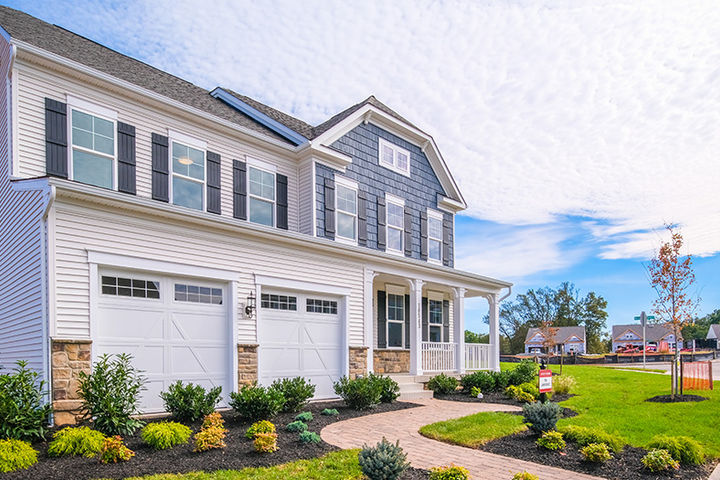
point(475, 430)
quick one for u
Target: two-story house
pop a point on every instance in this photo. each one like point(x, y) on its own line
point(215, 239)
point(656, 334)
point(567, 340)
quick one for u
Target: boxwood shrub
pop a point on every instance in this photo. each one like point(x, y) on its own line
point(481, 379)
point(389, 388)
point(189, 403)
point(254, 402)
point(296, 392)
point(442, 384)
point(360, 393)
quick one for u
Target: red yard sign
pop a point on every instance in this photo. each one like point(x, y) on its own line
point(697, 376)
point(545, 381)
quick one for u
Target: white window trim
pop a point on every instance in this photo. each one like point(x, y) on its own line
point(389, 198)
point(400, 291)
point(438, 216)
point(347, 183)
point(395, 148)
point(187, 140)
point(178, 139)
point(439, 297)
point(260, 165)
point(96, 111)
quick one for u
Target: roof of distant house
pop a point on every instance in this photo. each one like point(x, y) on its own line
point(654, 332)
point(562, 334)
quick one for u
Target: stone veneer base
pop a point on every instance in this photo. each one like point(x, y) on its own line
point(391, 361)
point(69, 358)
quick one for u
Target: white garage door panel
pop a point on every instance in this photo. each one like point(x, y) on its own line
point(131, 323)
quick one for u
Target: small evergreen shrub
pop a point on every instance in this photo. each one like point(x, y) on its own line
point(73, 441)
point(111, 393)
point(584, 436)
point(361, 393)
point(213, 419)
point(330, 411)
point(525, 372)
point(659, 460)
point(211, 434)
point(515, 392)
point(24, 414)
point(683, 449)
point(551, 441)
point(304, 417)
point(384, 461)
point(389, 388)
point(563, 384)
point(265, 442)
point(263, 426)
point(530, 388)
point(189, 403)
point(443, 384)
point(164, 435)
point(309, 437)
point(475, 392)
point(16, 455)
point(296, 426)
point(541, 417)
point(525, 476)
point(596, 453)
point(114, 450)
point(502, 379)
point(254, 402)
point(296, 392)
point(450, 472)
point(480, 379)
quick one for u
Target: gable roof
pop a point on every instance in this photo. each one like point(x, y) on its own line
point(714, 328)
point(562, 335)
point(654, 332)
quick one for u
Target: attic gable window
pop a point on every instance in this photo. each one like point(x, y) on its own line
point(393, 157)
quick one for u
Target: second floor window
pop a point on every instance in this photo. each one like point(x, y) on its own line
point(261, 201)
point(188, 176)
point(346, 212)
point(435, 236)
point(395, 225)
point(93, 149)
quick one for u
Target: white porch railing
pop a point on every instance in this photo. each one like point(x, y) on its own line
point(477, 356)
point(438, 357)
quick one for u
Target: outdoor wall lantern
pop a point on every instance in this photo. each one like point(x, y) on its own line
point(251, 304)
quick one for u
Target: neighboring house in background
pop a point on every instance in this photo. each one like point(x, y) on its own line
point(568, 340)
point(623, 335)
point(217, 240)
point(714, 334)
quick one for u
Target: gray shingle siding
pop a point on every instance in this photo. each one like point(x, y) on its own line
point(420, 191)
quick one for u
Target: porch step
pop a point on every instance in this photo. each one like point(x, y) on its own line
point(411, 387)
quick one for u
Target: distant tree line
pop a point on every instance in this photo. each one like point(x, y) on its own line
point(699, 328)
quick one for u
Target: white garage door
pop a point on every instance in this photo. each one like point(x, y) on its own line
point(175, 329)
point(301, 335)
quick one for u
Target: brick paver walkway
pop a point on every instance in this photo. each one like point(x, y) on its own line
point(424, 453)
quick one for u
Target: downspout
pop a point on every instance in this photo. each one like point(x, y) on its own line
point(506, 295)
point(44, 240)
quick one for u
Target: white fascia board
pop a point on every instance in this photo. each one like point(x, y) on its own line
point(303, 286)
point(328, 156)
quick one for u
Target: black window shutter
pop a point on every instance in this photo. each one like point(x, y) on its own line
point(382, 232)
point(212, 185)
point(330, 208)
point(126, 158)
point(408, 232)
point(407, 321)
point(239, 189)
point(425, 319)
point(362, 218)
point(446, 320)
point(56, 141)
point(447, 241)
point(382, 329)
point(282, 201)
point(423, 235)
point(160, 169)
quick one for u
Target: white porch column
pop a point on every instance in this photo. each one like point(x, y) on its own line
point(415, 327)
point(494, 304)
point(459, 328)
point(369, 314)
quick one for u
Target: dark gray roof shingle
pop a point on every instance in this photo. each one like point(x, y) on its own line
point(654, 332)
point(561, 335)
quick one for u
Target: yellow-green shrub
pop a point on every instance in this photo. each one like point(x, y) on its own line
point(563, 384)
point(164, 435)
point(450, 472)
point(683, 449)
point(596, 453)
point(584, 436)
point(551, 441)
point(525, 476)
point(265, 442)
point(76, 441)
point(263, 426)
point(212, 434)
point(659, 461)
point(16, 455)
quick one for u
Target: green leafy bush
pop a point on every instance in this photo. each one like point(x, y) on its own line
point(551, 441)
point(309, 437)
point(164, 435)
point(296, 426)
point(525, 476)
point(111, 394)
point(514, 391)
point(596, 453)
point(585, 436)
point(389, 388)
point(263, 426)
point(211, 434)
point(254, 402)
point(188, 403)
point(330, 411)
point(563, 384)
point(16, 455)
point(304, 416)
point(683, 449)
point(541, 417)
point(24, 413)
point(525, 372)
point(442, 384)
point(73, 441)
point(296, 392)
point(265, 442)
point(480, 379)
point(384, 461)
point(114, 450)
point(530, 388)
point(502, 379)
point(450, 472)
point(360, 393)
point(475, 392)
point(659, 460)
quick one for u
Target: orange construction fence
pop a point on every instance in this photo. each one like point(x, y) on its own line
point(697, 376)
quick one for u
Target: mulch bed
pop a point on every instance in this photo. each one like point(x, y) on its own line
point(493, 397)
point(181, 459)
point(678, 398)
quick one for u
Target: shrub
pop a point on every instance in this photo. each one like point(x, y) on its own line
point(254, 402)
point(211, 434)
point(514, 391)
point(309, 437)
point(360, 393)
point(188, 403)
point(475, 392)
point(551, 441)
point(659, 460)
point(502, 379)
point(525, 372)
point(541, 417)
point(451, 472)
point(525, 476)
point(114, 450)
point(164, 435)
point(563, 384)
point(530, 389)
point(304, 416)
point(265, 442)
point(596, 453)
point(213, 419)
point(389, 388)
point(585, 436)
point(683, 449)
point(330, 411)
point(111, 393)
point(73, 441)
point(296, 392)
point(15, 455)
point(263, 426)
point(296, 426)
point(384, 461)
point(480, 379)
point(442, 384)
point(24, 415)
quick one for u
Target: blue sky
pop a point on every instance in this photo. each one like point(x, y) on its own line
point(576, 129)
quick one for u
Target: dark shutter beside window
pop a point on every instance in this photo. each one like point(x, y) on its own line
point(382, 323)
point(213, 183)
point(160, 170)
point(447, 241)
point(330, 208)
point(423, 235)
point(362, 217)
point(239, 190)
point(408, 232)
point(282, 201)
point(446, 320)
point(382, 232)
point(126, 157)
point(425, 319)
point(56, 141)
point(407, 321)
